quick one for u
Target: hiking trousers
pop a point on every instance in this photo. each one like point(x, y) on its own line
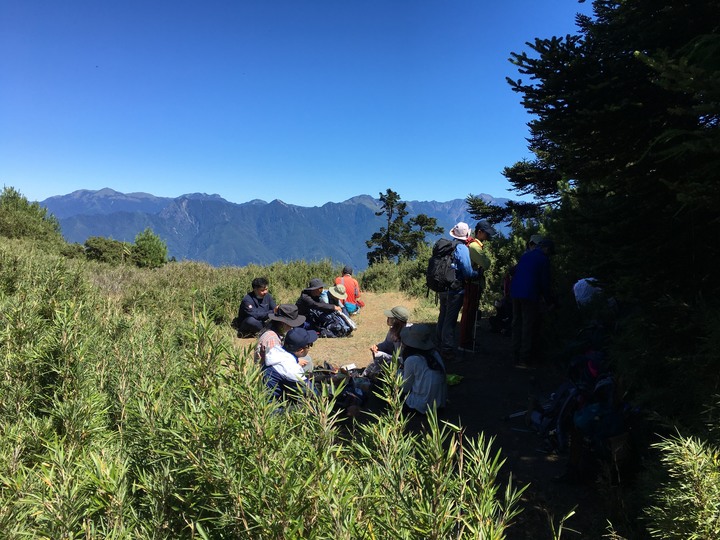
point(468, 320)
point(525, 330)
point(450, 304)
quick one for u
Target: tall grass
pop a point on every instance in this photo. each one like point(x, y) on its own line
point(126, 412)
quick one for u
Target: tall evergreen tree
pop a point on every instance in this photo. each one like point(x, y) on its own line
point(399, 238)
point(20, 218)
point(626, 120)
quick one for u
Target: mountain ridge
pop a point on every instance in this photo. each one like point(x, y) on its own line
point(209, 228)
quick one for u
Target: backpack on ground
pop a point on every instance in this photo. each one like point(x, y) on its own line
point(329, 324)
point(440, 274)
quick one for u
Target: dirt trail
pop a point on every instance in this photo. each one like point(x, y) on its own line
point(491, 388)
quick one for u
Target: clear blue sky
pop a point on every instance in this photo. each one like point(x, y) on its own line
point(304, 101)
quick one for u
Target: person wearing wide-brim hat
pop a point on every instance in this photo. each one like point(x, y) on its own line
point(423, 369)
point(337, 295)
point(284, 318)
point(451, 301)
point(310, 299)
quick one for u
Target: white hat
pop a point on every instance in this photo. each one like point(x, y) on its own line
point(461, 231)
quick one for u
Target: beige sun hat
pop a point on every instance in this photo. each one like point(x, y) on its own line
point(338, 291)
point(461, 231)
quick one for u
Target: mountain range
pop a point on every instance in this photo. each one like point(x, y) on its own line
point(208, 228)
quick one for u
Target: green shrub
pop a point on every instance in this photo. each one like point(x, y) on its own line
point(125, 412)
point(149, 250)
point(687, 505)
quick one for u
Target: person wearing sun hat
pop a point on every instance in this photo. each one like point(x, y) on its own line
point(397, 319)
point(284, 318)
point(310, 299)
point(423, 369)
point(337, 295)
point(284, 370)
point(474, 287)
point(451, 301)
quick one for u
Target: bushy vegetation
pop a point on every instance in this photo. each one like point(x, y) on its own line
point(125, 412)
point(624, 131)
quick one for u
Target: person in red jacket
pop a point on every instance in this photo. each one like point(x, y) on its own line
point(352, 289)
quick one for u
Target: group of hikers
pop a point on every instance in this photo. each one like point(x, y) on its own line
point(286, 332)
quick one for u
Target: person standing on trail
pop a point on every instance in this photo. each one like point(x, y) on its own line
point(531, 292)
point(451, 301)
point(474, 287)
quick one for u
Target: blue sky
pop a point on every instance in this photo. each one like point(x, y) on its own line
point(304, 101)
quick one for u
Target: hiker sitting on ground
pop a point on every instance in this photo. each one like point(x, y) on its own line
point(310, 299)
point(423, 370)
point(286, 367)
point(337, 296)
point(397, 319)
point(254, 309)
point(352, 288)
point(279, 323)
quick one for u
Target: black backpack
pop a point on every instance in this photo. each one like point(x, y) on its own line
point(440, 275)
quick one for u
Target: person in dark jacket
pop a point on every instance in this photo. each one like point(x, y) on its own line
point(530, 290)
point(310, 299)
point(255, 308)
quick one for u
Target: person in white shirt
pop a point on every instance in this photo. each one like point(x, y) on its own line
point(281, 321)
point(423, 370)
point(284, 365)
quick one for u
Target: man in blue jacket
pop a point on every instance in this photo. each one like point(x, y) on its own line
point(530, 287)
point(451, 301)
point(255, 308)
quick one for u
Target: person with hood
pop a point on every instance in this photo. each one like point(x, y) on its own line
point(285, 370)
point(279, 323)
point(423, 369)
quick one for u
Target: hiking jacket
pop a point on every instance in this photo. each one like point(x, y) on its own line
point(252, 306)
point(531, 280)
point(352, 288)
point(463, 267)
point(306, 302)
point(285, 364)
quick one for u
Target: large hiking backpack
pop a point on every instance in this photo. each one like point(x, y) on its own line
point(329, 324)
point(440, 274)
